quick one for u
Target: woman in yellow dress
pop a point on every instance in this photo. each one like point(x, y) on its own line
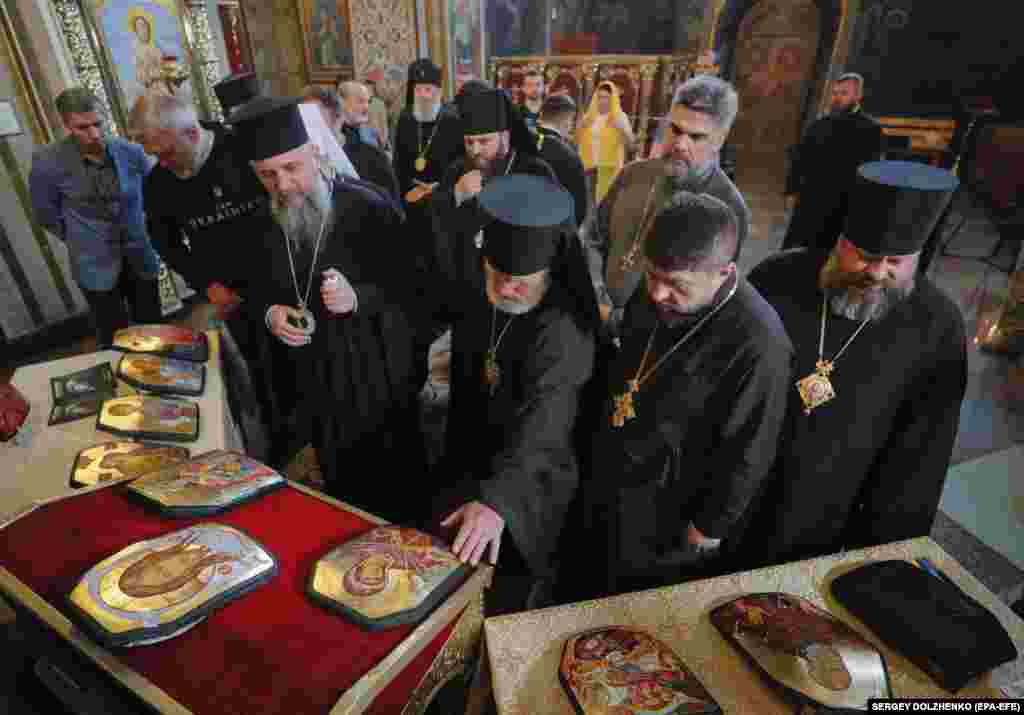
point(604, 136)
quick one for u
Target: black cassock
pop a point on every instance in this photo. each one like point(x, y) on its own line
point(457, 255)
point(568, 167)
point(824, 169)
point(440, 143)
point(514, 450)
point(370, 162)
point(357, 380)
point(703, 439)
point(868, 467)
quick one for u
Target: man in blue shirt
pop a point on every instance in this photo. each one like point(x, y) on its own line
point(87, 190)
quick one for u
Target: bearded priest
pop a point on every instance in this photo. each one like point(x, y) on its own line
point(881, 369)
point(337, 295)
point(522, 351)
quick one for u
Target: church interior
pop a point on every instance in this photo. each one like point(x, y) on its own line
point(940, 80)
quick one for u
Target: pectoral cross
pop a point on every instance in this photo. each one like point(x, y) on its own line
point(492, 372)
point(188, 243)
point(624, 410)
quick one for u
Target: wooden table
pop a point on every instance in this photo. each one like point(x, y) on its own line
point(524, 649)
point(41, 470)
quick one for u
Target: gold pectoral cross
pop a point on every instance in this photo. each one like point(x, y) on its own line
point(492, 372)
point(629, 260)
point(624, 409)
point(816, 389)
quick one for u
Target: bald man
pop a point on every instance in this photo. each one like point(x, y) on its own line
point(362, 142)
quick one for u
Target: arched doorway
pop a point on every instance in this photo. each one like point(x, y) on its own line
point(775, 49)
point(755, 27)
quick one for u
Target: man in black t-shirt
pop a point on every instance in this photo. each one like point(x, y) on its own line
point(201, 201)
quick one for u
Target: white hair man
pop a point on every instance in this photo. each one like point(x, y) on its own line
point(335, 296)
point(362, 142)
point(202, 200)
point(200, 197)
point(703, 111)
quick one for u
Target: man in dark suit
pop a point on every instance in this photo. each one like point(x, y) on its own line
point(825, 166)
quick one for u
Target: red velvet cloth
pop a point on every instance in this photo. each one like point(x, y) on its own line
point(272, 651)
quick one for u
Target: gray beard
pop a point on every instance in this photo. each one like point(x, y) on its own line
point(683, 181)
point(423, 113)
point(302, 224)
point(850, 302)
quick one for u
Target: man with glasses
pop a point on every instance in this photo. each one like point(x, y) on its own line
point(87, 190)
point(693, 406)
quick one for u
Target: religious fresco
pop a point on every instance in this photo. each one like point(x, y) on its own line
point(156, 589)
point(389, 576)
point(142, 37)
point(625, 671)
point(621, 27)
point(467, 39)
point(326, 39)
point(774, 60)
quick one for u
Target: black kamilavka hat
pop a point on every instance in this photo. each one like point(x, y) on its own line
point(529, 214)
point(492, 110)
point(422, 71)
point(236, 89)
point(894, 206)
point(268, 126)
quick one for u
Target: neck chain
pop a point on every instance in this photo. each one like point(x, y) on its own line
point(307, 323)
point(625, 410)
point(492, 372)
point(816, 389)
point(629, 260)
point(421, 151)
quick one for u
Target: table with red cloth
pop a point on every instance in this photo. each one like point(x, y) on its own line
point(272, 651)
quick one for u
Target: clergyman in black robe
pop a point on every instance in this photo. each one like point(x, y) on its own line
point(522, 351)
point(557, 116)
point(337, 296)
point(693, 406)
point(825, 167)
point(497, 143)
point(867, 465)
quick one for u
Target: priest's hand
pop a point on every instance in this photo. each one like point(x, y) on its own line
point(338, 294)
point(277, 321)
point(480, 528)
point(471, 183)
point(606, 312)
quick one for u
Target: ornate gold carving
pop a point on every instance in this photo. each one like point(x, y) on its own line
point(648, 72)
point(590, 71)
point(453, 659)
point(204, 57)
point(551, 73)
point(87, 65)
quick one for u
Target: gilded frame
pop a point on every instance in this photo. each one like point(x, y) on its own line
point(317, 71)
